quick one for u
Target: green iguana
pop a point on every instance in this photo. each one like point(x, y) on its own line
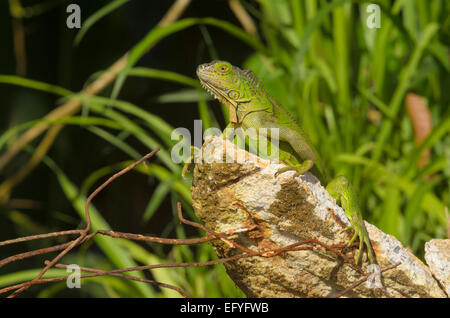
point(250, 106)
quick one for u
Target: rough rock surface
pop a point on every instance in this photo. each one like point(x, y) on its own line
point(437, 255)
point(288, 209)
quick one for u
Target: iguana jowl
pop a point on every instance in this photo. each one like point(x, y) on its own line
point(250, 106)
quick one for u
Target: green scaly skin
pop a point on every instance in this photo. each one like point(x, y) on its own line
point(250, 106)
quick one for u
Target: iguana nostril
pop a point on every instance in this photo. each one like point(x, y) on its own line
point(201, 68)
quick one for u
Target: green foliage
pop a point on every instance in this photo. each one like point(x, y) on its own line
point(346, 84)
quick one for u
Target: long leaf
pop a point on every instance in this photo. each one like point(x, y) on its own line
point(75, 120)
point(25, 82)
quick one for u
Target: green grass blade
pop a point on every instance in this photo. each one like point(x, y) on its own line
point(377, 102)
point(391, 221)
point(164, 75)
point(340, 40)
point(28, 275)
point(25, 82)
point(75, 120)
point(190, 95)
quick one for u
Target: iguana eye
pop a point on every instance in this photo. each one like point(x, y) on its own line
point(233, 94)
point(223, 68)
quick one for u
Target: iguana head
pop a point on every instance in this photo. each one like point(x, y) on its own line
point(228, 83)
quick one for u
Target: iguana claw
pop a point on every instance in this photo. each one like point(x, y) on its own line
point(298, 168)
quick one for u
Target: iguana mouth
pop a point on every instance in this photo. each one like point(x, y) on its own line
point(217, 93)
